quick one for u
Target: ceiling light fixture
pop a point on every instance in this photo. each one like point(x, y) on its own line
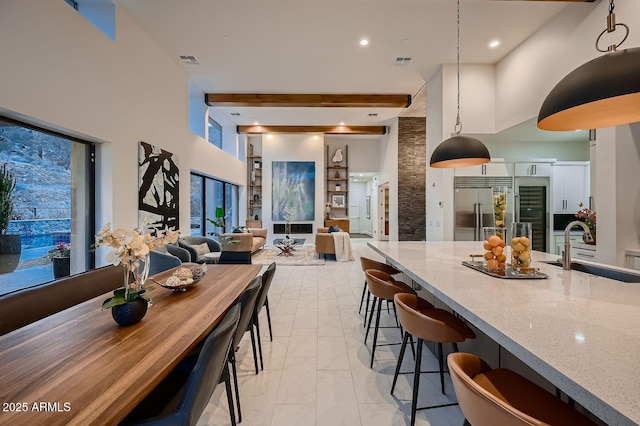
point(604, 92)
point(364, 42)
point(459, 151)
point(493, 44)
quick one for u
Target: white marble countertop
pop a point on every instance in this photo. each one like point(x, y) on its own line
point(581, 332)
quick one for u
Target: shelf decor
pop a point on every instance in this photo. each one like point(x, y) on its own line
point(337, 201)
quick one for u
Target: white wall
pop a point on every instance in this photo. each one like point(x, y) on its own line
point(292, 147)
point(62, 73)
point(364, 155)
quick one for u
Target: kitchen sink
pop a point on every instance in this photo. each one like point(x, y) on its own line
point(601, 271)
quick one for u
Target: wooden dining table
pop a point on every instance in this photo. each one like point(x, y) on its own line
point(78, 367)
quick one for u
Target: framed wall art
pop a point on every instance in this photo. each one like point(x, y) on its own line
point(337, 200)
point(293, 185)
point(158, 185)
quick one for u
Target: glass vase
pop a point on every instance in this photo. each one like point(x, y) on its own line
point(495, 255)
point(500, 210)
point(521, 237)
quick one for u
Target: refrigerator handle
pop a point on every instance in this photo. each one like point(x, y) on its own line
point(516, 208)
point(477, 221)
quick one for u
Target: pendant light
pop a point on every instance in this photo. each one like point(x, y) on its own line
point(604, 92)
point(459, 151)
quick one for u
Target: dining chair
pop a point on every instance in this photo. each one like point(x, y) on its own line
point(263, 301)
point(245, 323)
point(503, 397)
point(235, 257)
point(182, 396)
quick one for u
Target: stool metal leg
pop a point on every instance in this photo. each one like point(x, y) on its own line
point(364, 290)
point(373, 307)
point(441, 362)
point(400, 358)
point(416, 383)
point(366, 309)
point(375, 332)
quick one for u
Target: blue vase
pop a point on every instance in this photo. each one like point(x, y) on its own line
point(131, 312)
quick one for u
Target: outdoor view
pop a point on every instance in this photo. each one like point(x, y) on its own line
point(41, 166)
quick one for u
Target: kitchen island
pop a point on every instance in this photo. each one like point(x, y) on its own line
point(579, 331)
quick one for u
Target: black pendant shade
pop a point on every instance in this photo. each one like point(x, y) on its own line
point(604, 92)
point(460, 151)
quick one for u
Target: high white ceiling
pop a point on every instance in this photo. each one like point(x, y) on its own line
point(305, 46)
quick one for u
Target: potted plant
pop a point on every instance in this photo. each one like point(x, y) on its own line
point(10, 245)
point(219, 222)
point(61, 259)
point(131, 250)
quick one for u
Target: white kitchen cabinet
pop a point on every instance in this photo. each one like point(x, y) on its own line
point(570, 186)
point(532, 169)
point(583, 252)
point(558, 238)
point(489, 169)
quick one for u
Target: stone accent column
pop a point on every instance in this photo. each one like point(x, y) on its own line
point(412, 164)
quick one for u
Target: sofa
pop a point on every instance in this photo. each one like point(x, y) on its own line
point(252, 240)
point(324, 242)
point(191, 243)
point(23, 307)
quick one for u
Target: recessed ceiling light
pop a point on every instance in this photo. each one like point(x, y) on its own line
point(364, 42)
point(342, 123)
point(255, 123)
point(494, 43)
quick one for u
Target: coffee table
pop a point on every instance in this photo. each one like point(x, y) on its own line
point(287, 245)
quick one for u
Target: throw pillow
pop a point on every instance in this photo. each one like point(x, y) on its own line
point(202, 249)
point(245, 229)
point(333, 229)
point(238, 231)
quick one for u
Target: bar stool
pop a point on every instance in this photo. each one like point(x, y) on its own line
point(383, 287)
point(420, 319)
point(502, 397)
point(372, 264)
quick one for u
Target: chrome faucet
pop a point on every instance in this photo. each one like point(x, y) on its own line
point(566, 254)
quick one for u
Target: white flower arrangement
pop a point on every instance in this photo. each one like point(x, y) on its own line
point(128, 248)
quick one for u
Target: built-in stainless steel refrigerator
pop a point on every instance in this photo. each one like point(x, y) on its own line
point(473, 202)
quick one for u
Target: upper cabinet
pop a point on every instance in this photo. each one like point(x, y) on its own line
point(570, 186)
point(533, 169)
point(489, 169)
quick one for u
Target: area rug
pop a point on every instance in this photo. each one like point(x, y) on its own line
point(303, 256)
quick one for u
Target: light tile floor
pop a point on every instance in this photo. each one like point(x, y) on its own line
point(316, 369)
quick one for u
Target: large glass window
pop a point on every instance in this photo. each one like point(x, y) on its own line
point(207, 195)
point(53, 205)
point(215, 133)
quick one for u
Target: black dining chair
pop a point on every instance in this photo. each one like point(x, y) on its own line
point(245, 323)
point(235, 257)
point(182, 396)
point(263, 301)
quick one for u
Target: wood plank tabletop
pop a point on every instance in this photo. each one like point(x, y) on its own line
point(78, 367)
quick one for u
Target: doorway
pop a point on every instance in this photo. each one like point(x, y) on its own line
point(383, 212)
point(355, 198)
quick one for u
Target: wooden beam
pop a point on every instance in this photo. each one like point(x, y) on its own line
point(329, 130)
point(307, 100)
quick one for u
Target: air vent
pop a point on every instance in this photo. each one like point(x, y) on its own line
point(373, 114)
point(189, 59)
point(402, 61)
point(235, 114)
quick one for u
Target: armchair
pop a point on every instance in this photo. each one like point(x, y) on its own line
point(324, 242)
point(252, 241)
point(190, 242)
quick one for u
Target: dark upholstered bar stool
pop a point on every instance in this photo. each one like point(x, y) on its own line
point(420, 319)
point(372, 264)
point(499, 396)
point(383, 287)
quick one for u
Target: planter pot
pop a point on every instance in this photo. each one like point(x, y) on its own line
point(10, 251)
point(130, 313)
point(61, 267)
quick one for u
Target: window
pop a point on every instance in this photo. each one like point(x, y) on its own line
point(53, 203)
point(215, 133)
point(72, 3)
point(207, 194)
point(101, 13)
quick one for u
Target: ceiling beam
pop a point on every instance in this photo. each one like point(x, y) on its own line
point(329, 130)
point(307, 100)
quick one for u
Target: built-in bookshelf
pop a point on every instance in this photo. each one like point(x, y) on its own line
point(254, 185)
point(337, 187)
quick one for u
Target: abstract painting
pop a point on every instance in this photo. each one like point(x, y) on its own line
point(158, 184)
point(294, 186)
